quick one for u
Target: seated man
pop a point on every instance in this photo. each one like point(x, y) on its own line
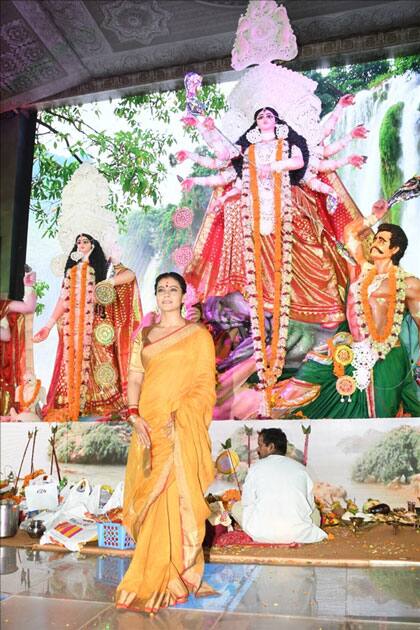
point(277, 503)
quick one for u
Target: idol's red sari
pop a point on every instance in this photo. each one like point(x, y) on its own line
point(319, 272)
point(99, 398)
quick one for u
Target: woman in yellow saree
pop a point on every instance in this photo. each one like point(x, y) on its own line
point(171, 393)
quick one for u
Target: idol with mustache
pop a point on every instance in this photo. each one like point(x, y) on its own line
point(383, 312)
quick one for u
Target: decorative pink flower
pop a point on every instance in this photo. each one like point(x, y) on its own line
point(182, 256)
point(182, 218)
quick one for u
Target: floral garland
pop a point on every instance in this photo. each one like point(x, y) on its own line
point(79, 350)
point(78, 334)
point(26, 404)
point(383, 342)
point(268, 370)
point(364, 286)
point(69, 356)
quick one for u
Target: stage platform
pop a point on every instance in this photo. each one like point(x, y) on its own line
point(373, 546)
point(76, 591)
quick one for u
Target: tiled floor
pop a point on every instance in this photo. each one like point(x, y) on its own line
point(43, 591)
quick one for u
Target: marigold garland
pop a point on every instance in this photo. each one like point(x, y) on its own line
point(25, 404)
point(367, 311)
point(385, 341)
point(80, 332)
point(70, 363)
point(76, 357)
point(268, 370)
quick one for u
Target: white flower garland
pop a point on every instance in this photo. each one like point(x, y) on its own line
point(267, 379)
point(368, 351)
point(382, 348)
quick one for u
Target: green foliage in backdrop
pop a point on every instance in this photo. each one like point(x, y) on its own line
point(396, 456)
point(133, 158)
point(390, 152)
point(93, 443)
point(359, 76)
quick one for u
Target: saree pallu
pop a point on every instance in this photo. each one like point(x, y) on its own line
point(218, 267)
point(164, 506)
point(99, 398)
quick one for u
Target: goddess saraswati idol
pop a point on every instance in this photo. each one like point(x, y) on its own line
point(97, 311)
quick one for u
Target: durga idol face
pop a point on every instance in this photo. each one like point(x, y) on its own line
point(266, 120)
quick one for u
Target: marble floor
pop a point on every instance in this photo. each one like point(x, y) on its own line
point(43, 591)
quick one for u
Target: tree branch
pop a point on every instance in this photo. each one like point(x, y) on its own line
point(66, 140)
point(72, 122)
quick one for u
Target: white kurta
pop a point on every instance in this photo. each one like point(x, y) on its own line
point(278, 501)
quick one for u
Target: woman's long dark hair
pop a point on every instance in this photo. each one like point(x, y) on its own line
point(293, 138)
point(97, 258)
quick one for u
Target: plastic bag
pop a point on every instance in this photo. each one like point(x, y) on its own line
point(72, 533)
point(116, 499)
point(78, 495)
point(42, 494)
point(99, 497)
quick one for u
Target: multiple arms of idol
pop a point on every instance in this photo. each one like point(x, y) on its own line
point(223, 153)
point(322, 163)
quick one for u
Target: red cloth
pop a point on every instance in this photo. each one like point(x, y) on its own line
point(12, 358)
point(238, 537)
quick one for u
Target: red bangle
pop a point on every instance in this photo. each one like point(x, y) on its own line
point(133, 411)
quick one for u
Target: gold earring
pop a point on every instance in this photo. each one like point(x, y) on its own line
point(183, 310)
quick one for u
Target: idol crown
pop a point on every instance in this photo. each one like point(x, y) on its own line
point(264, 34)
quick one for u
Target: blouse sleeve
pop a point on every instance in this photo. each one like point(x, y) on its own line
point(136, 364)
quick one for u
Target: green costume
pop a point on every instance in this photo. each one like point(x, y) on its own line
point(393, 381)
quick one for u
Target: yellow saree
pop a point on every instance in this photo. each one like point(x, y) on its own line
point(164, 505)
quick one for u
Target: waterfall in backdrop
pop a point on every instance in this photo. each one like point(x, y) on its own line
point(365, 185)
